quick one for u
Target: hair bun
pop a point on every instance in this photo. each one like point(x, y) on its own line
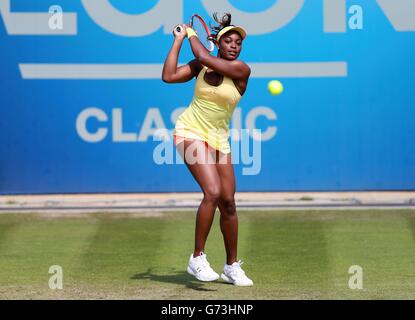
point(223, 22)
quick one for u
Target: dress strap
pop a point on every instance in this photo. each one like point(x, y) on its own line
point(202, 72)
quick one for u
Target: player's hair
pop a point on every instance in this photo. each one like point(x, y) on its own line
point(223, 22)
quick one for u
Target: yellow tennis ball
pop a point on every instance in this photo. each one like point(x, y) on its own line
point(275, 87)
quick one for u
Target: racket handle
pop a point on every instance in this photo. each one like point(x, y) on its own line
point(179, 29)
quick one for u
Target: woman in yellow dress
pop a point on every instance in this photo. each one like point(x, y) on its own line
point(201, 136)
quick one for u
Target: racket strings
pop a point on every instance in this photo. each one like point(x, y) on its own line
point(204, 36)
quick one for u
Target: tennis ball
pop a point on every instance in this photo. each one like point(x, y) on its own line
point(275, 87)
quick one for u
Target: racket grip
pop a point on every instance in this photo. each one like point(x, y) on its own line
point(179, 28)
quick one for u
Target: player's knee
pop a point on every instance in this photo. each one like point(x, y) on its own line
point(212, 194)
point(228, 204)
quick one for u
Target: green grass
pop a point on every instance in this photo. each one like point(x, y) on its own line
point(288, 254)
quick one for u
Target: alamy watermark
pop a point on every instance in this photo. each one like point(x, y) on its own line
point(56, 280)
point(56, 18)
point(356, 17)
point(245, 148)
point(356, 278)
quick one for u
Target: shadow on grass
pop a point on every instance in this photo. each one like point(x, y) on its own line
point(172, 276)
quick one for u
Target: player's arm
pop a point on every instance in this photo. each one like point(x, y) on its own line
point(180, 74)
point(171, 72)
point(235, 69)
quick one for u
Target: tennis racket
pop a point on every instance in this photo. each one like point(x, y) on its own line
point(202, 30)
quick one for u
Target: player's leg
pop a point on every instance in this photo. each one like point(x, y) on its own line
point(232, 271)
point(227, 207)
point(201, 164)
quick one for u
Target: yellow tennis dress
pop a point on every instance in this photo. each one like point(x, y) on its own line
point(208, 115)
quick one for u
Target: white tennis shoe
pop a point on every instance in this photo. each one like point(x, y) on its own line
point(235, 275)
point(200, 268)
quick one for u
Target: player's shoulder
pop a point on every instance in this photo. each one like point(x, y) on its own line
point(244, 65)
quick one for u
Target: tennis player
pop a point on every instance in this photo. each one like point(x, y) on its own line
point(201, 136)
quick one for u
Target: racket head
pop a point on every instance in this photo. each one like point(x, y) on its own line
point(201, 28)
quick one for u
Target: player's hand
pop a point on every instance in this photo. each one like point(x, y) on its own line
point(180, 34)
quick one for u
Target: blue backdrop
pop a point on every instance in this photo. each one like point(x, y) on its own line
point(79, 105)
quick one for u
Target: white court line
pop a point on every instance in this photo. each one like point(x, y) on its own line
point(51, 71)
